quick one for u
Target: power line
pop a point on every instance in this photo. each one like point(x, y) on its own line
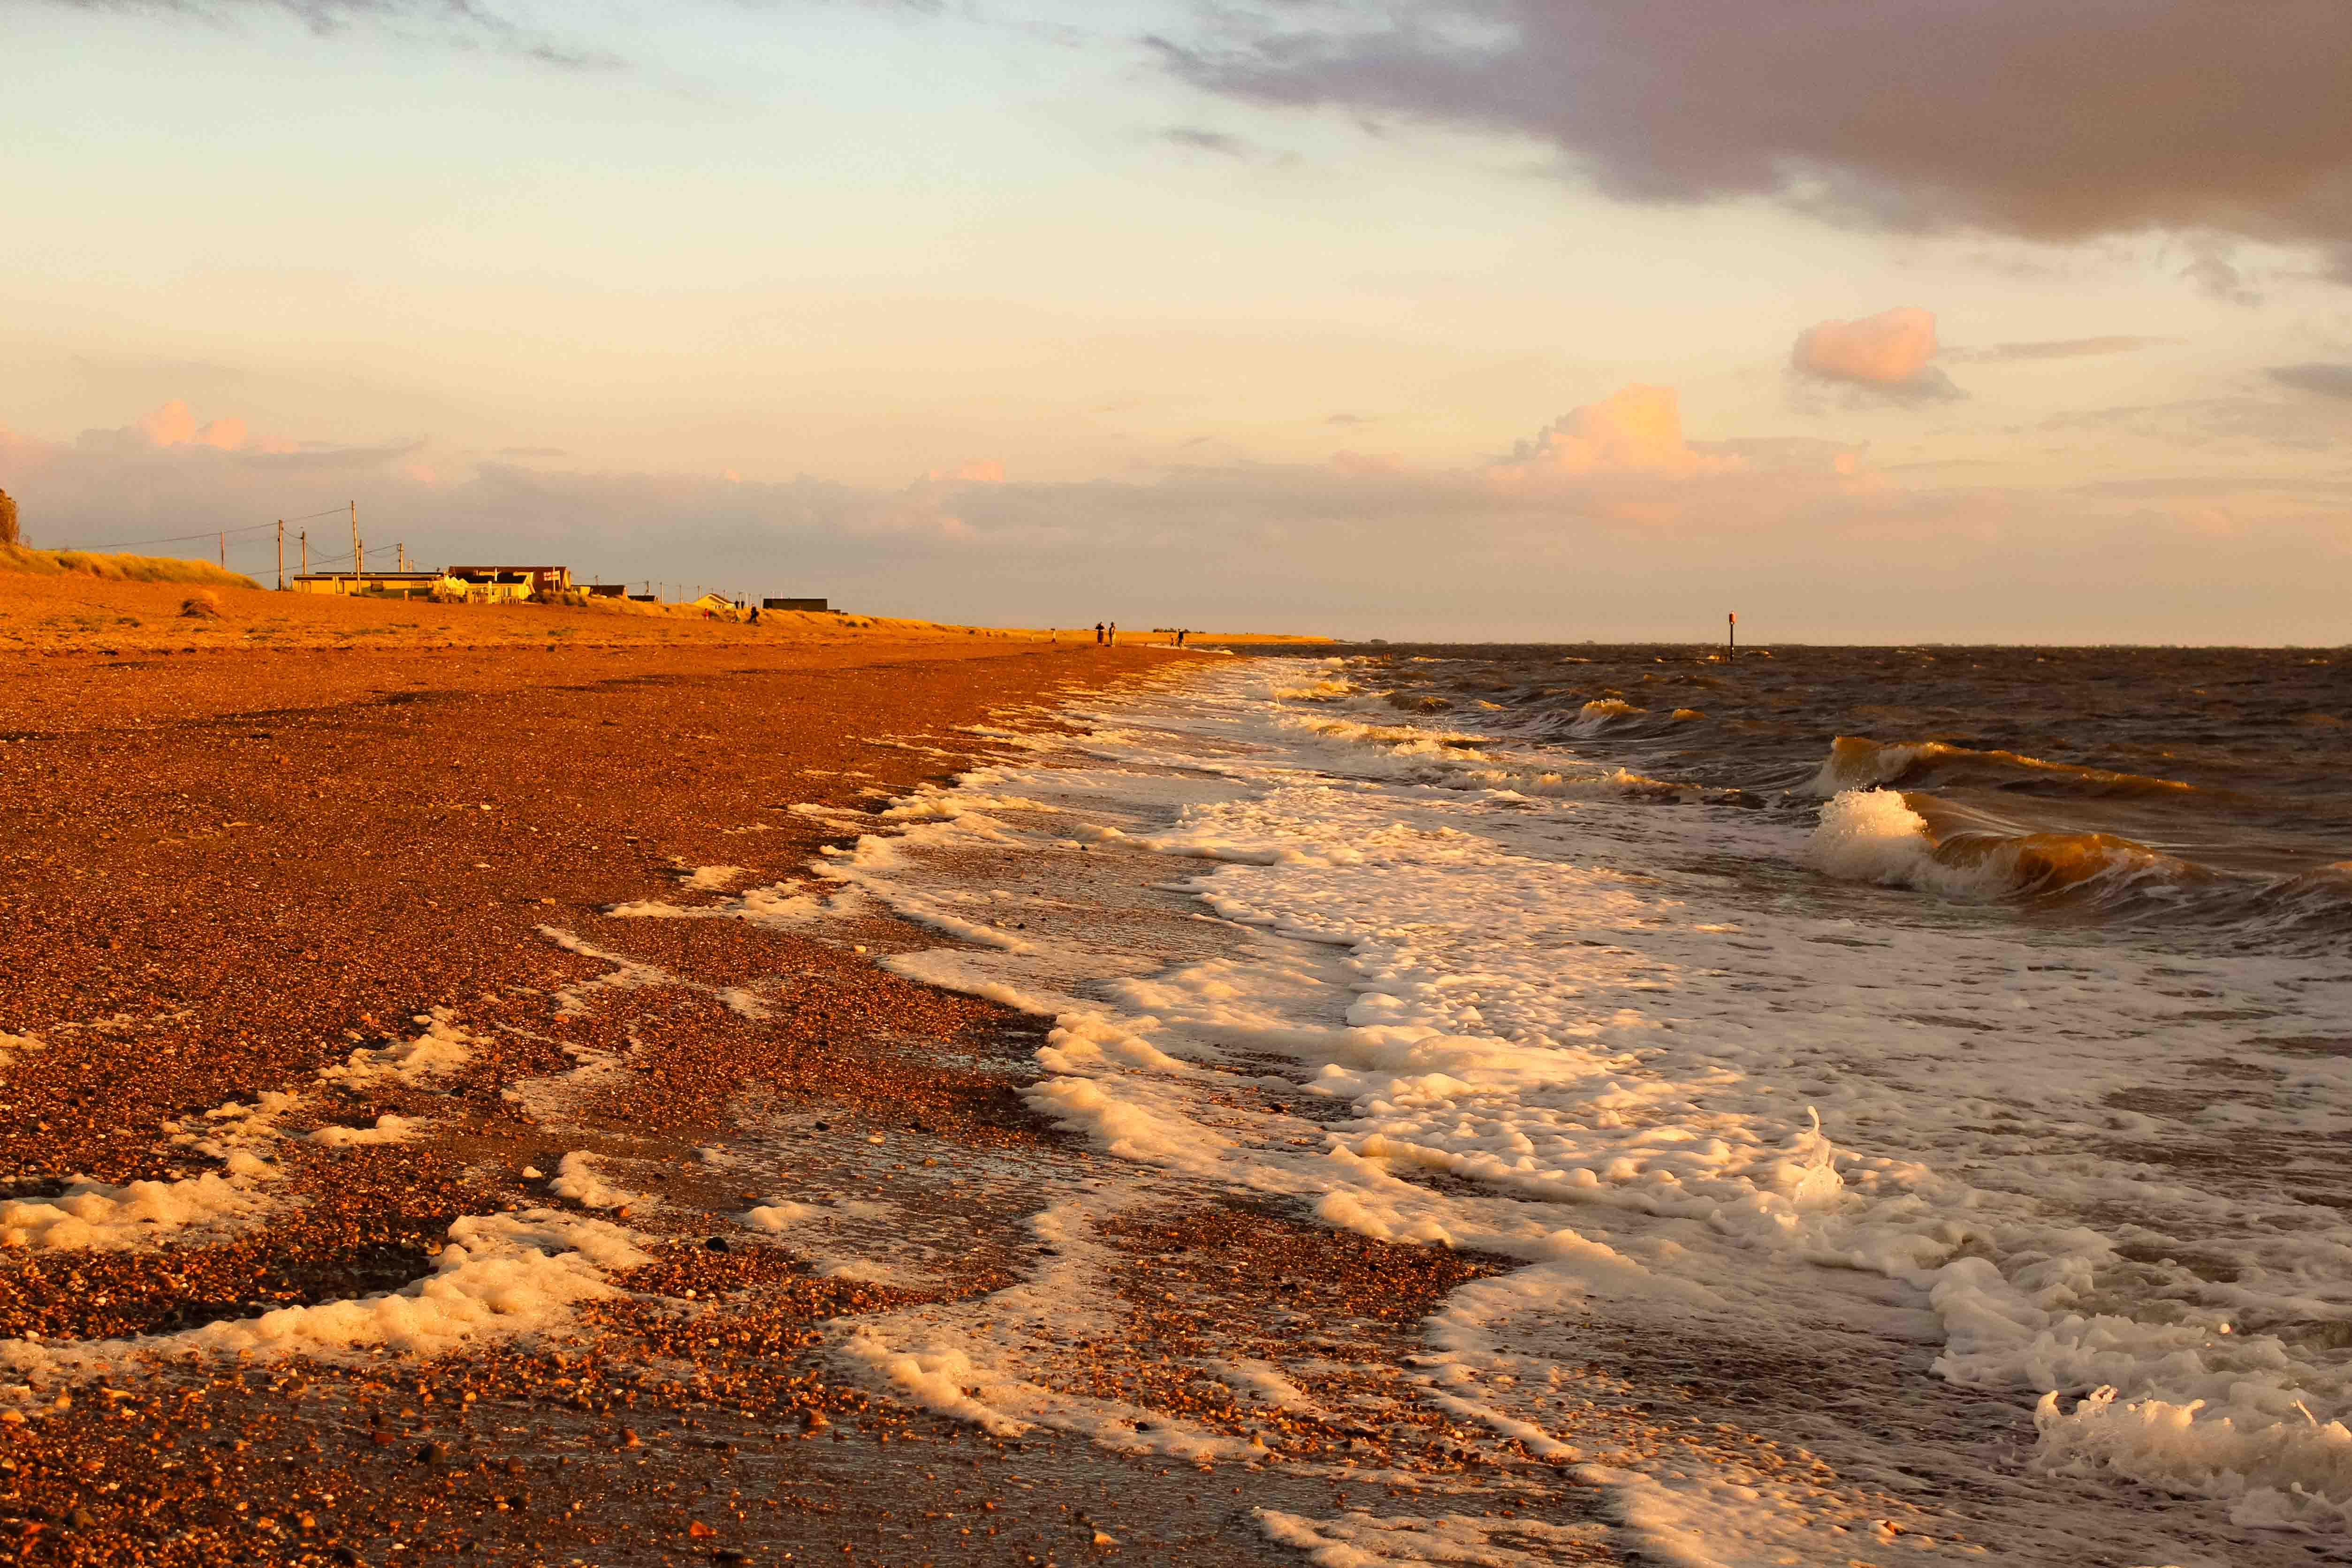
point(185, 538)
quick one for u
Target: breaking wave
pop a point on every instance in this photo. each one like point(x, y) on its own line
point(1854, 763)
point(1594, 717)
point(1897, 840)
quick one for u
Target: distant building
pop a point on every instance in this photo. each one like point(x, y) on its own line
point(536, 582)
point(713, 602)
point(607, 590)
point(381, 585)
point(817, 605)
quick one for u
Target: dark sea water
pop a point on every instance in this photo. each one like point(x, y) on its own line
point(1935, 1060)
point(2208, 786)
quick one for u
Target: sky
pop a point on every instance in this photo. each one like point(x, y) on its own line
point(1872, 320)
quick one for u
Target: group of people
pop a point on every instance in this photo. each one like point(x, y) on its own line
point(1107, 634)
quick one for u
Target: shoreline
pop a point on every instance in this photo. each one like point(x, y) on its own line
point(254, 881)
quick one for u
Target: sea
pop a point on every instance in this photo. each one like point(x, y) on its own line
point(1934, 1061)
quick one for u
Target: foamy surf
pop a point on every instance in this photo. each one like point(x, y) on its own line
point(1944, 1156)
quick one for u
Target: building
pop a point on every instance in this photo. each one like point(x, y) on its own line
point(378, 584)
point(605, 590)
point(536, 582)
point(814, 605)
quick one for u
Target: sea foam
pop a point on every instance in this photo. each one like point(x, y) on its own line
point(1782, 1113)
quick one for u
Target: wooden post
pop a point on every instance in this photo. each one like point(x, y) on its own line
point(223, 549)
point(306, 552)
point(403, 548)
point(1731, 637)
point(359, 550)
point(281, 555)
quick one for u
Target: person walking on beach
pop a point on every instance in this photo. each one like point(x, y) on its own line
point(1098, 634)
point(1113, 638)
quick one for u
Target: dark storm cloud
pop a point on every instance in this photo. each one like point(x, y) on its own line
point(2017, 117)
point(2327, 380)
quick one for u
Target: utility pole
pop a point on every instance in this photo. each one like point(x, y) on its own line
point(403, 548)
point(223, 549)
point(1731, 637)
point(359, 551)
point(306, 553)
point(281, 555)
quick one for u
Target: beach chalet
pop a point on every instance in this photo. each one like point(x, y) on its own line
point(816, 605)
point(503, 583)
point(379, 585)
point(715, 603)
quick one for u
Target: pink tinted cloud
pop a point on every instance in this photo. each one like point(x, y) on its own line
point(1636, 429)
point(1882, 350)
point(174, 424)
point(1565, 550)
point(1888, 354)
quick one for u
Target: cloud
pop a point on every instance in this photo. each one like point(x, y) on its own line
point(980, 471)
point(1610, 523)
point(1634, 430)
point(2056, 348)
point(1887, 355)
point(2259, 429)
point(468, 24)
point(174, 425)
point(2049, 122)
point(1224, 145)
point(2327, 380)
point(2214, 273)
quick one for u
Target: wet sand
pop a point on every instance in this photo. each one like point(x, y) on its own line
point(228, 870)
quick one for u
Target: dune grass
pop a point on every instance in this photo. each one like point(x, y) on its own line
point(121, 568)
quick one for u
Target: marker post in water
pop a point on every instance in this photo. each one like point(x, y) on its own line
point(1731, 636)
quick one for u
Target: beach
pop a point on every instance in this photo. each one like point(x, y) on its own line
point(377, 1194)
point(922, 1096)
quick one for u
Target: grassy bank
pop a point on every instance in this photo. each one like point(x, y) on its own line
point(119, 568)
